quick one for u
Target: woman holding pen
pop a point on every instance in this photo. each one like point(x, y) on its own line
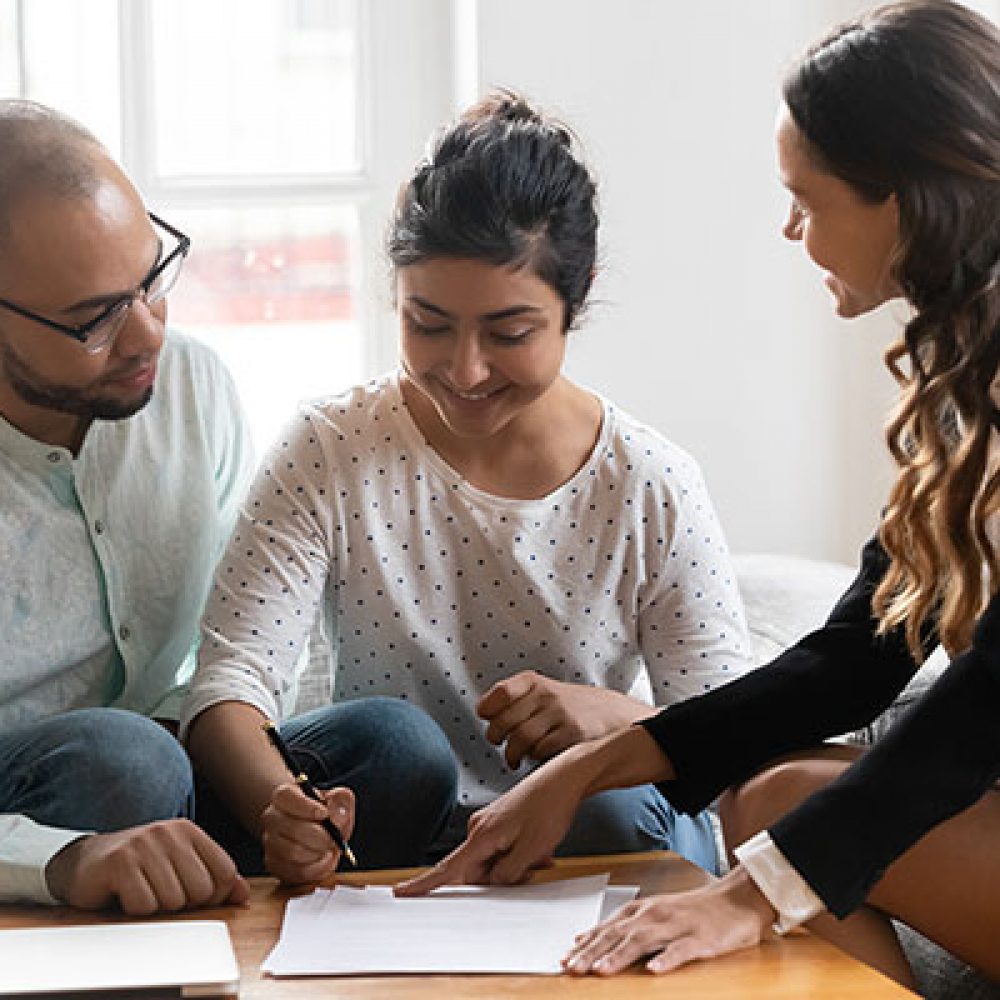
point(889, 144)
point(498, 553)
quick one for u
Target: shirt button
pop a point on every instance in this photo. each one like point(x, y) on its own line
point(124, 633)
point(54, 456)
point(99, 527)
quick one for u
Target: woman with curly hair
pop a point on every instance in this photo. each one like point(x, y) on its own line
point(889, 144)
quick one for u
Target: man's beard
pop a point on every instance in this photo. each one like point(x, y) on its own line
point(64, 399)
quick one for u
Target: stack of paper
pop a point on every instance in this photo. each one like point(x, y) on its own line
point(517, 929)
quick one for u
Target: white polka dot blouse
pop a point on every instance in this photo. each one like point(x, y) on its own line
point(431, 590)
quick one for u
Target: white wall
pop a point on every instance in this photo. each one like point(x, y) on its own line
point(706, 323)
point(709, 325)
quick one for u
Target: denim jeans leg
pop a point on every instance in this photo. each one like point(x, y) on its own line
point(396, 760)
point(625, 820)
point(214, 817)
point(99, 769)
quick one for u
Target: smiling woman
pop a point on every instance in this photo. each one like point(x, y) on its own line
point(498, 553)
point(494, 250)
point(848, 233)
point(482, 348)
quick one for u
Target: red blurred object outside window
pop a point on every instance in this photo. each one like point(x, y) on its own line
point(303, 280)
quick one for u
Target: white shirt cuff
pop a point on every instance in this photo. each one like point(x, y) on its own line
point(26, 848)
point(785, 889)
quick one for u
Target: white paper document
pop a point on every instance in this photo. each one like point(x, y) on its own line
point(192, 958)
point(515, 929)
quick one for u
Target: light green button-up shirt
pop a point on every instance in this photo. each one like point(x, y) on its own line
point(106, 558)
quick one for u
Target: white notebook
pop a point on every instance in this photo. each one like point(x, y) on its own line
point(191, 958)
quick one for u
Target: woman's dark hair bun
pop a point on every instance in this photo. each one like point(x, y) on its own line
point(503, 184)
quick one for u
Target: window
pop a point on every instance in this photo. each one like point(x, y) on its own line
point(256, 127)
point(10, 82)
point(266, 176)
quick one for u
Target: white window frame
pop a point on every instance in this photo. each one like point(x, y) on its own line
point(138, 140)
point(407, 88)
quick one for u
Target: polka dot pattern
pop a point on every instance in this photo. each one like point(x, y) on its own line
point(433, 590)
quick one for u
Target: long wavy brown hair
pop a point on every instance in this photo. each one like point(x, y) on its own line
point(905, 100)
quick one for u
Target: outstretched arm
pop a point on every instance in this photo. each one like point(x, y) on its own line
point(521, 829)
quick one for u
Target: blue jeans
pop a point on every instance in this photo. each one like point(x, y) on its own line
point(404, 775)
point(98, 769)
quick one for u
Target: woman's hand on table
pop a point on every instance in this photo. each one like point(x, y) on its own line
point(727, 915)
point(511, 837)
point(520, 831)
point(297, 849)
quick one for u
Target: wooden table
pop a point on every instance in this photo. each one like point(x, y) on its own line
point(798, 967)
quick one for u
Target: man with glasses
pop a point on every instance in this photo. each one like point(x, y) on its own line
point(122, 461)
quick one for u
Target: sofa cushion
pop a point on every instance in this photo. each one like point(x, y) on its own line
point(786, 597)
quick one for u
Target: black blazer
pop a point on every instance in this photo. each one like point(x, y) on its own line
point(937, 760)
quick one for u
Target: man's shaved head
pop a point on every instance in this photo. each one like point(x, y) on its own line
point(73, 231)
point(43, 152)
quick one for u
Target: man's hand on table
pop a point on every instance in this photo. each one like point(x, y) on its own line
point(165, 866)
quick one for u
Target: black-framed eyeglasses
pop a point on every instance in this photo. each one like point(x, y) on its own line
point(100, 332)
